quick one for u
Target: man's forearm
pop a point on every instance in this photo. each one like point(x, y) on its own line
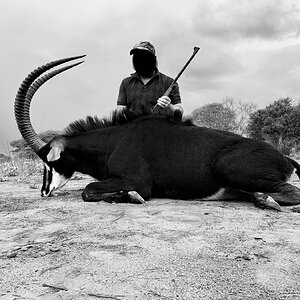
point(174, 107)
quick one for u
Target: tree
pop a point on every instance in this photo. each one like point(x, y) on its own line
point(278, 124)
point(229, 115)
point(294, 120)
point(214, 115)
point(242, 112)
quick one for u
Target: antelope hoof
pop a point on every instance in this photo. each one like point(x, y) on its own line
point(135, 197)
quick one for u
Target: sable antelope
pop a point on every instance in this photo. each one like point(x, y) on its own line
point(136, 158)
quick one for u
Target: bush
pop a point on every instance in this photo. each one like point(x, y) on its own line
point(21, 167)
point(277, 124)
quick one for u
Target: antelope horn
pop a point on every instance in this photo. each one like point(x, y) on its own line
point(24, 96)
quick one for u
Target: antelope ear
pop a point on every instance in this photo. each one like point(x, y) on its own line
point(54, 153)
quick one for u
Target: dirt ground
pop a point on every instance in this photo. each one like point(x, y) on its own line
point(62, 248)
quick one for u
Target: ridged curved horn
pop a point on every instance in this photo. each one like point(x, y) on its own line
point(24, 96)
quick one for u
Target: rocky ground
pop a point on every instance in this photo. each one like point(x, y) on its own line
point(63, 248)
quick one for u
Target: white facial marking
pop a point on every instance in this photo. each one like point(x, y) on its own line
point(47, 167)
point(58, 181)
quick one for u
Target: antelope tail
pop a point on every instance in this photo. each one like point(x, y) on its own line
point(295, 165)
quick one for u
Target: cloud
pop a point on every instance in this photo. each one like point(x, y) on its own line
point(271, 20)
point(277, 72)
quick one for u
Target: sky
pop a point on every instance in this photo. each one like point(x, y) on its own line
point(250, 51)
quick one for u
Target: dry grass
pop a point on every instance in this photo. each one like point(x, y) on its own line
point(23, 169)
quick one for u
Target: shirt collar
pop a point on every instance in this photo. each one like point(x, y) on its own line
point(135, 74)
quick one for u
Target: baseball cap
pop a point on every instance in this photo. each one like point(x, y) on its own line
point(143, 46)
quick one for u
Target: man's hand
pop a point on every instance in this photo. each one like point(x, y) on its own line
point(166, 108)
point(164, 102)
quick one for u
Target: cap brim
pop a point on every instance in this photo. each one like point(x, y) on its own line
point(140, 48)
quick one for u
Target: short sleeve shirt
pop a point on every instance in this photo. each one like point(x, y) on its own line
point(140, 98)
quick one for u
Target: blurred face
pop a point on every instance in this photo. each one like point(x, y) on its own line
point(144, 63)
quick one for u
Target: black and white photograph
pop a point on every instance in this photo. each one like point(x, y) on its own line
point(150, 150)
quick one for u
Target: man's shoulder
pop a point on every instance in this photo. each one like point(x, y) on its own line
point(127, 80)
point(165, 77)
point(132, 77)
